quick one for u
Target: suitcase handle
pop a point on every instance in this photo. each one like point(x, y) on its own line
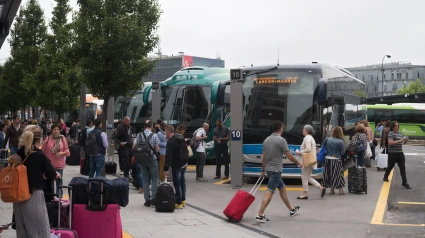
point(60, 205)
point(96, 207)
point(256, 186)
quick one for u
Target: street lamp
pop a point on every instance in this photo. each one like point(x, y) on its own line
point(388, 56)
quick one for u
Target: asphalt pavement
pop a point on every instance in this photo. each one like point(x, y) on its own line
point(350, 215)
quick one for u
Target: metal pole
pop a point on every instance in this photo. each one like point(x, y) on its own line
point(156, 101)
point(110, 124)
point(236, 127)
point(383, 75)
point(83, 121)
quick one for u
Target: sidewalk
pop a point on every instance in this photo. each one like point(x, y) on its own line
point(140, 221)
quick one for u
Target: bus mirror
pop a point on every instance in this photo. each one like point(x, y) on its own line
point(221, 91)
point(322, 91)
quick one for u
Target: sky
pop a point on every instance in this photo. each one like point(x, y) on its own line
point(245, 32)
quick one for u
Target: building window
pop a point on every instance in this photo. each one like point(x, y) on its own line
point(376, 88)
point(418, 74)
point(407, 75)
point(356, 76)
point(385, 88)
point(384, 76)
point(392, 75)
point(363, 77)
point(394, 86)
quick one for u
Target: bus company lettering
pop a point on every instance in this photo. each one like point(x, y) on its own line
point(189, 77)
point(408, 131)
point(273, 80)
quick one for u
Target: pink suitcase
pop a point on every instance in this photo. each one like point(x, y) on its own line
point(64, 232)
point(107, 217)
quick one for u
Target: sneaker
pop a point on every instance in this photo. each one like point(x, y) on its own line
point(261, 218)
point(122, 173)
point(184, 203)
point(147, 204)
point(153, 203)
point(294, 210)
point(179, 206)
point(201, 180)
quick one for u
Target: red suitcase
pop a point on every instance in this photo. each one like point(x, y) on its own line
point(64, 232)
point(241, 202)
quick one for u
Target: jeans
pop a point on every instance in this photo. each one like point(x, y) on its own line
point(59, 181)
point(222, 158)
point(360, 159)
point(13, 150)
point(200, 164)
point(179, 184)
point(96, 165)
point(275, 181)
point(150, 172)
point(397, 158)
point(139, 175)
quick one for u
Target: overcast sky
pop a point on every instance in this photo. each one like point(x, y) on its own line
point(244, 32)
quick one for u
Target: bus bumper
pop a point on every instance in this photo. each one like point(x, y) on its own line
point(255, 171)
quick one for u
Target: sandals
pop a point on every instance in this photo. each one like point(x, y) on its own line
point(342, 193)
point(332, 193)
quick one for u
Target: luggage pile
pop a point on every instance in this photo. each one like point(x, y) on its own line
point(357, 180)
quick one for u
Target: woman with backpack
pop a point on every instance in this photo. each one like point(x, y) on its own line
point(359, 142)
point(31, 216)
point(56, 149)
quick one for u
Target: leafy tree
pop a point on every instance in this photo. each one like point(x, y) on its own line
point(57, 72)
point(27, 38)
point(112, 43)
point(10, 97)
point(413, 87)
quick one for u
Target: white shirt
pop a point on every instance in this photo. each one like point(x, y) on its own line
point(202, 144)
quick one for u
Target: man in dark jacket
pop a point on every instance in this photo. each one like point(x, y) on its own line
point(12, 135)
point(178, 165)
point(126, 144)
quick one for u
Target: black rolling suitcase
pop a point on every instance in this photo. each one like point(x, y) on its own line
point(110, 165)
point(357, 179)
point(74, 158)
point(165, 198)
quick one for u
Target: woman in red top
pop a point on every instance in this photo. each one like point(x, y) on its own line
point(56, 149)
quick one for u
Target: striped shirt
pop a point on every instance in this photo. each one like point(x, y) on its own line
point(397, 148)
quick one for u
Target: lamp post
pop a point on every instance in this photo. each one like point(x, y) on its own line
point(388, 56)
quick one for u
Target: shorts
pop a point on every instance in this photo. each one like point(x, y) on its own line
point(275, 181)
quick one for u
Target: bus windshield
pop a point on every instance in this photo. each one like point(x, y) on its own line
point(284, 94)
point(186, 104)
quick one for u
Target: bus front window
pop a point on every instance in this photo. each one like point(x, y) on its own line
point(285, 95)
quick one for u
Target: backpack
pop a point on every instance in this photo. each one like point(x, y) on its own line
point(14, 183)
point(142, 150)
point(91, 143)
point(194, 144)
point(184, 152)
point(361, 147)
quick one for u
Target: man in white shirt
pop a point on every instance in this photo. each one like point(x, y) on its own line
point(201, 136)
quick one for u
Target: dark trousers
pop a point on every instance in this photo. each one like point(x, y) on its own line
point(200, 164)
point(222, 158)
point(120, 160)
point(372, 147)
point(125, 155)
point(398, 158)
point(179, 184)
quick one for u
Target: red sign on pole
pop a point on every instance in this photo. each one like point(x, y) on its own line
point(187, 61)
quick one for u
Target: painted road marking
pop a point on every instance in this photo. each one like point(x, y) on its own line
point(126, 235)
point(264, 188)
point(412, 203)
point(381, 206)
point(191, 167)
point(224, 181)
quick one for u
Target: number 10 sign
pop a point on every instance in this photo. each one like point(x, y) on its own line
point(236, 135)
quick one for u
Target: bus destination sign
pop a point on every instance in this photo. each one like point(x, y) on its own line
point(273, 80)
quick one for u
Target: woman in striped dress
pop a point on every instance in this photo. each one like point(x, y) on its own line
point(333, 172)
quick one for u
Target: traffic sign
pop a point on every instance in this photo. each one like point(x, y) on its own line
point(236, 135)
point(235, 74)
point(155, 85)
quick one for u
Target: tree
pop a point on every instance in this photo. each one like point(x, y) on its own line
point(413, 87)
point(27, 38)
point(10, 97)
point(57, 72)
point(113, 38)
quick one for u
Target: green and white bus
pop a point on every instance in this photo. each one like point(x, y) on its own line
point(411, 117)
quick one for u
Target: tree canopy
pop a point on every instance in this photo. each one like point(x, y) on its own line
point(413, 87)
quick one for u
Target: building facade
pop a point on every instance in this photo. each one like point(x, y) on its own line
point(167, 66)
point(396, 75)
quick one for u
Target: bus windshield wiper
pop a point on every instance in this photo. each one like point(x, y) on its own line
point(264, 71)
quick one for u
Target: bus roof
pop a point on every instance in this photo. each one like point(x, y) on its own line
point(198, 75)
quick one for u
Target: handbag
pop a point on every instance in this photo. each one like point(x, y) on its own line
point(368, 150)
point(321, 156)
point(309, 159)
point(190, 151)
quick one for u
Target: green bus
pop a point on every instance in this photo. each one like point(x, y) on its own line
point(411, 117)
point(195, 95)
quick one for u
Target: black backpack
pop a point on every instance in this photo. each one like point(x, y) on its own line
point(193, 142)
point(142, 150)
point(184, 152)
point(91, 143)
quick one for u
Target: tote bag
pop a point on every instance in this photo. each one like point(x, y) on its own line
point(310, 159)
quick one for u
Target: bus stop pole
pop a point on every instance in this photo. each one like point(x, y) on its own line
point(110, 124)
point(236, 127)
point(156, 101)
point(83, 121)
